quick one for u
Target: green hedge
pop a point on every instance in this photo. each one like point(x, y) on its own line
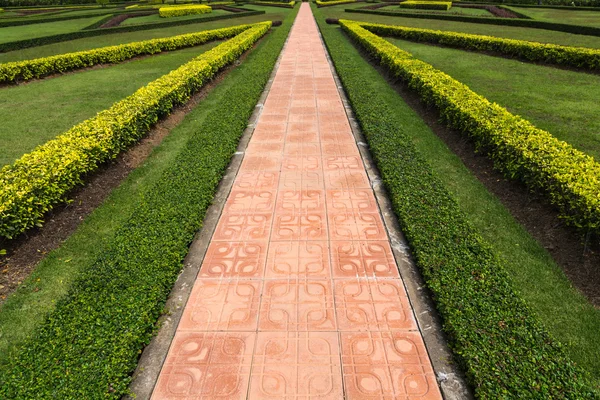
point(525, 23)
point(426, 5)
point(569, 178)
point(37, 181)
point(178, 11)
point(577, 57)
point(333, 3)
point(89, 345)
point(41, 20)
point(290, 4)
point(39, 67)
point(505, 351)
point(63, 37)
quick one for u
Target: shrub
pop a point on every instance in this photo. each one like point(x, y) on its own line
point(333, 3)
point(38, 180)
point(275, 4)
point(178, 11)
point(39, 67)
point(577, 57)
point(427, 5)
point(569, 178)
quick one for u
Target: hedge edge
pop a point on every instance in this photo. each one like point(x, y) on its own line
point(503, 348)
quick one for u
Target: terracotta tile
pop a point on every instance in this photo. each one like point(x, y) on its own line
point(301, 149)
point(302, 137)
point(251, 201)
point(339, 149)
point(372, 305)
point(303, 110)
point(343, 163)
point(298, 259)
point(234, 260)
point(302, 225)
point(346, 179)
point(259, 180)
point(202, 365)
point(243, 227)
point(387, 365)
point(363, 259)
point(303, 118)
point(270, 127)
point(221, 304)
point(303, 164)
point(261, 163)
point(337, 137)
point(295, 201)
point(297, 305)
point(259, 148)
point(298, 180)
point(355, 225)
point(346, 201)
point(296, 365)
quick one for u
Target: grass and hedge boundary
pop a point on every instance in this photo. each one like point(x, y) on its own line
point(426, 5)
point(40, 20)
point(503, 348)
point(37, 181)
point(569, 178)
point(98, 330)
point(32, 69)
point(333, 3)
point(63, 37)
point(178, 11)
point(290, 4)
point(525, 23)
point(575, 57)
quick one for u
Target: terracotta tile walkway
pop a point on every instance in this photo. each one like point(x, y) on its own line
point(299, 296)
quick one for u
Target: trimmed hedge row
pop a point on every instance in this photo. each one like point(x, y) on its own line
point(505, 351)
point(525, 23)
point(178, 11)
point(426, 5)
point(37, 181)
point(90, 343)
point(39, 67)
point(41, 20)
point(291, 4)
point(333, 3)
point(578, 57)
point(63, 37)
point(569, 178)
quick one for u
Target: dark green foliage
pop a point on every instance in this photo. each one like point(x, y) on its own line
point(31, 21)
point(526, 23)
point(503, 348)
point(90, 344)
point(63, 37)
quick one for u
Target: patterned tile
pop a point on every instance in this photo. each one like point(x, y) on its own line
point(251, 201)
point(346, 180)
point(301, 225)
point(243, 227)
point(298, 259)
point(298, 180)
point(234, 260)
point(356, 225)
point(362, 259)
point(347, 201)
point(256, 180)
point(295, 201)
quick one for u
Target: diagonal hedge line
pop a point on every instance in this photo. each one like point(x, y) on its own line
point(89, 345)
point(569, 178)
point(525, 23)
point(29, 69)
point(577, 57)
point(38, 180)
point(177, 11)
point(63, 37)
point(505, 351)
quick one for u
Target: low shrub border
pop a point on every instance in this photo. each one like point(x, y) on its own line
point(526, 23)
point(178, 11)
point(291, 4)
point(39, 67)
point(503, 348)
point(89, 345)
point(569, 178)
point(39, 20)
point(576, 57)
point(426, 5)
point(333, 3)
point(38, 180)
point(63, 37)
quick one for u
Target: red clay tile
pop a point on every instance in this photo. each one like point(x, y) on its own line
point(362, 259)
point(267, 162)
point(294, 201)
point(301, 149)
point(259, 180)
point(355, 225)
point(264, 148)
point(301, 225)
point(304, 164)
point(234, 260)
point(345, 201)
point(298, 259)
point(243, 227)
point(297, 180)
point(349, 179)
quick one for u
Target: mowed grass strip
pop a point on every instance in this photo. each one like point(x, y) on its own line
point(98, 329)
point(575, 17)
point(564, 103)
point(52, 106)
point(505, 350)
point(14, 33)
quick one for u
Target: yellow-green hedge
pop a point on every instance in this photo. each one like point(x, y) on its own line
point(333, 3)
point(427, 5)
point(570, 178)
point(37, 181)
point(39, 67)
point(578, 57)
point(276, 4)
point(178, 11)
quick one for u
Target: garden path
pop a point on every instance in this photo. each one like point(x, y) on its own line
point(299, 295)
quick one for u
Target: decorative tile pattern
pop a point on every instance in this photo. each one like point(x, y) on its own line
point(295, 259)
point(234, 260)
point(356, 225)
point(362, 259)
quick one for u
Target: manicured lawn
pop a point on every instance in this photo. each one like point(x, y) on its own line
point(454, 10)
point(588, 18)
point(148, 19)
point(272, 13)
point(52, 106)
point(563, 102)
point(512, 32)
point(14, 33)
point(567, 315)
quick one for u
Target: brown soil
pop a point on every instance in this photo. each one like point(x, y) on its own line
point(576, 254)
point(26, 251)
point(118, 19)
point(32, 12)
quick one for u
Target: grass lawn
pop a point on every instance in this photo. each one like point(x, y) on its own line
point(454, 10)
point(511, 32)
point(568, 316)
point(565, 103)
point(272, 13)
point(14, 33)
point(587, 18)
point(148, 19)
point(52, 106)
